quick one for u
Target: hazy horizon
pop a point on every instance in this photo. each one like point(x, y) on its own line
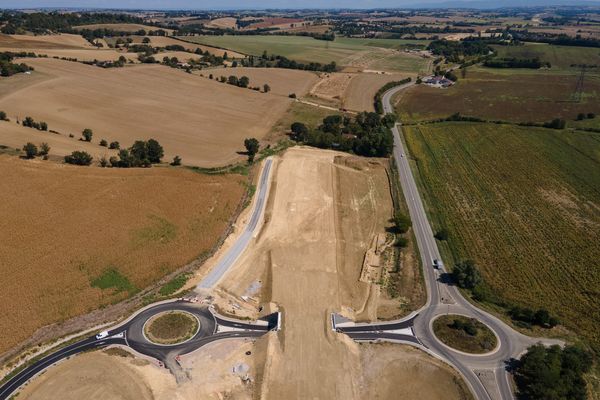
point(277, 4)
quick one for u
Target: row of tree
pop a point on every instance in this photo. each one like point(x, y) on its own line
point(513, 62)
point(8, 68)
point(455, 51)
point(31, 123)
point(275, 61)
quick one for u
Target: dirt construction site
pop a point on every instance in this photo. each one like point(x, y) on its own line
point(306, 259)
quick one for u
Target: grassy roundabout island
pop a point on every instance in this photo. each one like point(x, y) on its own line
point(464, 334)
point(171, 327)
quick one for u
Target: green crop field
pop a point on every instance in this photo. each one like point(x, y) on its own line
point(344, 51)
point(512, 97)
point(524, 203)
point(560, 57)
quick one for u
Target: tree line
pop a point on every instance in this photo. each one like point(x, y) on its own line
point(276, 61)
point(8, 68)
point(377, 101)
point(513, 62)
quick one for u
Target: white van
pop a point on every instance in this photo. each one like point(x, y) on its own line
point(102, 335)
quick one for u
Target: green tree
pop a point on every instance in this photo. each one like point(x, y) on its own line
point(176, 161)
point(103, 143)
point(3, 116)
point(233, 80)
point(79, 158)
point(146, 40)
point(442, 234)
point(244, 82)
point(114, 145)
point(28, 122)
point(87, 134)
point(31, 150)
point(466, 274)
point(402, 223)
point(155, 151)
point(266, 88)
point(43, 126)
point(252, 145)
point(44, 149)
point(299, 131)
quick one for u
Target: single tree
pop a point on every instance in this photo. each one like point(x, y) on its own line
point(266, 88)
point(87, 134)
point(466, 274)
point(176, 161)
point(244, 81)
point(2, 116)
point(146, 40)
point(103, 162)
point(442, 234)
point(44, 149)
point(252, 145)
point(155, 151)
point(114, 145)
point(299, 131)
point(31, 150)
point(103, 143)
point(43, 126)
point(233, 80)
point(402, 223)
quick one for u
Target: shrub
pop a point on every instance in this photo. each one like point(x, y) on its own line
point(176, 161)
point(252, 145)
point(114, 145)
point(401, 242)
point(43, 126)
point(466, 275)
point(3, 116)
point(292, 95)
point(442, 234)
point(591, 115)
point(401, 223)
point(30, 150)
point(103, 143)
point(104, 162)
point(266, 88)
point(44, 149)
point(79, 158)
point(87, 134)
point(580, 116)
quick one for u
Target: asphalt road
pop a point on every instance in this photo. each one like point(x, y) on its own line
point(241, 243)
point(130, 334)
point(443, 297)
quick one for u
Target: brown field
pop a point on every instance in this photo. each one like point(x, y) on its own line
point(79, 54)
point(182, 56)
point(226, 22)
point(276, 22)
point(163, 41)
point(390, 369)
point(202, 121)
point(59, 41)
point(522, 98)
point(107, 219)
point(332, 86)
point(124, 27)
point(15, 136)
point(282, 81)
point(361, 91)
point(309, 28)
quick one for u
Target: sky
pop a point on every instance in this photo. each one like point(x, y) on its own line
point(250, 4)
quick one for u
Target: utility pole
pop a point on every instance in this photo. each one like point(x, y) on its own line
point(578, 93)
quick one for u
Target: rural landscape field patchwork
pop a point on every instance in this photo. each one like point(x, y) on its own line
point(326, 203)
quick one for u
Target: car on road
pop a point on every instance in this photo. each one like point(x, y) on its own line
point(438, 264)
point(102, 335)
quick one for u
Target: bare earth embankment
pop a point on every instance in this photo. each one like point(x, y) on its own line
point(66, 232)
point(202, 121)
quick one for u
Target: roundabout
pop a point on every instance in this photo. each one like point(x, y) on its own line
point(171, 328)
point(465, 334)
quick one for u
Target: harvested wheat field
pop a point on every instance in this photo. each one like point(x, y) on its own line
point(225, 22)
point(78, 54)
point(282, 81)
point(58, 41)
point(163, 41)
point(15, 136)
point(121, 229)
point(202, 121)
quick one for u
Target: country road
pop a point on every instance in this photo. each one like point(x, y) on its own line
point(443, 297)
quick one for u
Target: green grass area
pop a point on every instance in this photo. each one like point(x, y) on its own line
point(158, 230)
point(524, 203)
point(171, 327)
point(310, 116)
point(464, 334)
point(304, 49)
point(511, 97)
point(113, 279)
point(173, 285)
point(560, 57)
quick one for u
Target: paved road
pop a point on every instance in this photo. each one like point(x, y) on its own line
point(443, 297)
point(241, 243)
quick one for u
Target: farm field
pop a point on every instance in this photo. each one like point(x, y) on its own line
point(202, 121)
point(560, 57)
point(124, 27)
point(306, 49)
point(26, 42)
point(362, 88)
point(485, 94)
point(163, 41)
point(116, 236)
point(282, 81)
point(524, 204)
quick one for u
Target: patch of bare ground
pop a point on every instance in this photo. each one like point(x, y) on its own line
point(143, 223)
point(220, 370)
point(361, 91)
point(392, 371)
point(202, 121)
point(323, 211)
point(59, 41)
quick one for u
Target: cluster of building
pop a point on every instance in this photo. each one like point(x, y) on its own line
point(438, 82)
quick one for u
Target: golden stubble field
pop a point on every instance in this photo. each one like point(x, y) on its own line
point(63, 226)
point(203, 121)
